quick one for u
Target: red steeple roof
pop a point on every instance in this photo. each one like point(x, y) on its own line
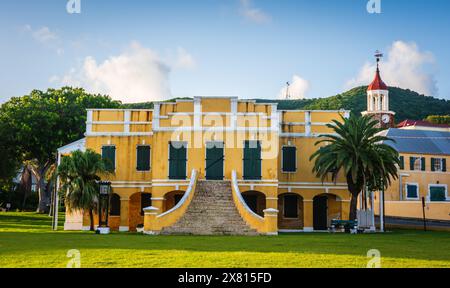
point(377, 83)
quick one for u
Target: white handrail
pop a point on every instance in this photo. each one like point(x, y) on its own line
point(185, 197)
point(239, 195)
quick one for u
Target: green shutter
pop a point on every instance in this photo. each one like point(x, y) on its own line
point(177, 161)
point(402, 163)
point(214, 161)
point(433, 162)
point(109, 155)
point(444, 165)
point(411, 191)
point(252, 160)
point(411, 163)
point(423, 163)
point(143, 158)
point(437, 194)
point(289, 159)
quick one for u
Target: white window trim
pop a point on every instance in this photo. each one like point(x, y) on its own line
point(418, 191)
point(282, 159)
point(115, 155)
point(144, 145)
point(447, 198)
point(420, 160)
point(441, 166)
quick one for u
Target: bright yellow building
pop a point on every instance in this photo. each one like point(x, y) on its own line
point(229, 166)
point(424, 155)
point(423, 175)
point(216, 157)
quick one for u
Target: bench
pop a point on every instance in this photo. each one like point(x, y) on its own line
point(350, 226)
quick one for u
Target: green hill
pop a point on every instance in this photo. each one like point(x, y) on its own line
point(406, 103)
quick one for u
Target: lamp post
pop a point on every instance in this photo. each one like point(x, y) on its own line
point(103, 208)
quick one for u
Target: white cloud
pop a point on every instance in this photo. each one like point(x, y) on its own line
point(253, 14)
point(137, 75)
point(298, 88)
point(46, 37)
point(184, 59)
point(405, 66)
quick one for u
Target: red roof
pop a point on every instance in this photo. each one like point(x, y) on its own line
point(377, 83)
point(409, 123)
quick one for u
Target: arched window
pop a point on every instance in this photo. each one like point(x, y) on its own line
point(115, 205)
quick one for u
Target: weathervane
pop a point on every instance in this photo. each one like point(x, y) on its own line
point(378, 55)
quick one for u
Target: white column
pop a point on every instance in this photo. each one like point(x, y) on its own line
point(127, 120)
point(89, 121)
point(234, 111)
point(197, 114)
point(308, 123)
point(275, 119)
point(372, 206)
point(56, 200)
point(381, 211)
point(156, 115)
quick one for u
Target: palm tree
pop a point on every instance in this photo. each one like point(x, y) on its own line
point(79, 175)
point(358, 150)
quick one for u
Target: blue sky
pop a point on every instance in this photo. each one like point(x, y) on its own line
point(151, 50)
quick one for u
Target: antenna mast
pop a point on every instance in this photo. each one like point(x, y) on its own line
point(288, 96)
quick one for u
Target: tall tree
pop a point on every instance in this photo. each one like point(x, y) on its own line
point(79, 174)
point(44, 121)
point(357, 150)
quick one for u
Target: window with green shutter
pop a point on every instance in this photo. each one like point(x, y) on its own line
point(438, 165)
point(412, 191)
point(143, 158)
point(417, 163)
point(177, 160)
point(289, 158)
point(252, 160)
point(438, 194)
point(109, 155)
point(402, 163)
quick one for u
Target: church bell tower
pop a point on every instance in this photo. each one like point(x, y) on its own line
point(378, 100)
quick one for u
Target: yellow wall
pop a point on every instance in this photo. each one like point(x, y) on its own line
point(412, 208)
point(176, 122)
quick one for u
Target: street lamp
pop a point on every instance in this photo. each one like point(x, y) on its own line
point(103, 207)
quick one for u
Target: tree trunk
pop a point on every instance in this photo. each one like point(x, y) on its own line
point(355, 190)
point(354, 207)
point(44, 199)
point(91, 217)
point(25, 185)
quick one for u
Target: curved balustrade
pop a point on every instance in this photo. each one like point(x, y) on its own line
point(254, 220)
point(154, 223)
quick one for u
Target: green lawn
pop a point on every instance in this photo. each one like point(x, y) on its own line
point(26, 241)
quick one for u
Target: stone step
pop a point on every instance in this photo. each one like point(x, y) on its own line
point(211, 212)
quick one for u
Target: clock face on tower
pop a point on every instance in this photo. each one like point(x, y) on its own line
point(386, 119)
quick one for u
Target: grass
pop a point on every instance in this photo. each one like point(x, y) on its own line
point(26, 240)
